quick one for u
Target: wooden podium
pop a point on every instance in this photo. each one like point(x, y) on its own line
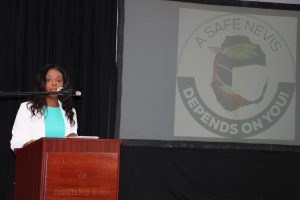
point(68, 168)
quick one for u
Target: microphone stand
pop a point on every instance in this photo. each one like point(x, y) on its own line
point(4, 94)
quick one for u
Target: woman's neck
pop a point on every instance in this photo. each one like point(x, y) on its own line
point(52, 101)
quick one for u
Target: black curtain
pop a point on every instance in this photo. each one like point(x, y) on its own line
point(80, 36)
point(164, 173)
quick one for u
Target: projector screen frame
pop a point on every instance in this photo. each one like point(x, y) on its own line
point(183, 143)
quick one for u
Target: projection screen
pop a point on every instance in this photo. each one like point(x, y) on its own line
point(195, 72)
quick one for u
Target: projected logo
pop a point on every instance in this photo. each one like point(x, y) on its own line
point(236, 51)
point(236, 76)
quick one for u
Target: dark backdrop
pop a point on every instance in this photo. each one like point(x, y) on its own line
point(164, 173)
point(78, 35)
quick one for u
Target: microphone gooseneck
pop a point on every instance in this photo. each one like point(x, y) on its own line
point(59, 91)
point(68, 92)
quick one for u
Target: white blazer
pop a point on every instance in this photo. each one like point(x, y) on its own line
point(27, 127)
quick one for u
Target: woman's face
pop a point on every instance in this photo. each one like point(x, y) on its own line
point(54, 80)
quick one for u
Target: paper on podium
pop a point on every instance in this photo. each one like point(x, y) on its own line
point(84, 137)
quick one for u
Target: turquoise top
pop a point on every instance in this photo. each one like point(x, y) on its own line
point(54, 122)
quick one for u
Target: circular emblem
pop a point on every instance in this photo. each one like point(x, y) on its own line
point(236, 75)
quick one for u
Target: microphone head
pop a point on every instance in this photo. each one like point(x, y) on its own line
point(77, 93)
point(59, 89)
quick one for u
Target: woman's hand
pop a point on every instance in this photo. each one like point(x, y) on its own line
point(71, 135)
point(30, 141)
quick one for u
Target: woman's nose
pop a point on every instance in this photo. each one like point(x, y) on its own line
point(54, 83)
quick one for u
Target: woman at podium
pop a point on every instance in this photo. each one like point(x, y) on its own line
point(47, 113)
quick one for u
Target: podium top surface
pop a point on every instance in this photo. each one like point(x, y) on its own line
point(73, 144)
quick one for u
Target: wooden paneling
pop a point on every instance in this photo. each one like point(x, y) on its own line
point(68, 168)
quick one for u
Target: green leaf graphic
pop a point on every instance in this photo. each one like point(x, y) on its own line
point(242, 51)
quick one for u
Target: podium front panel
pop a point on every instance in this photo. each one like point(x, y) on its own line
point(81, 176)
point(68, 168)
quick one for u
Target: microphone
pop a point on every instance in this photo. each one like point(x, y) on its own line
point(68, 92)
